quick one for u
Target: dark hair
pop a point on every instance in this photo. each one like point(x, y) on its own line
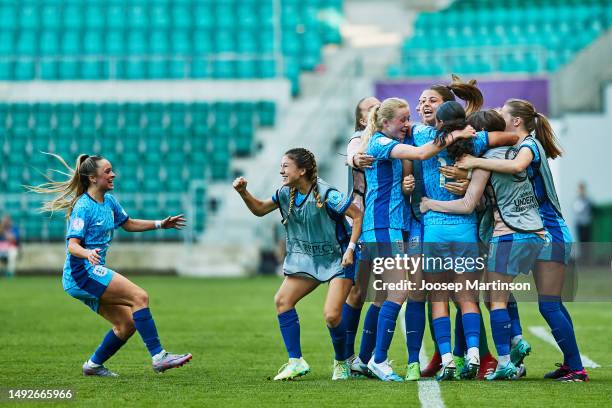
point(537, 122)
point(489, 120)
point(466, 91)
point(452, 115)
point(304, 159)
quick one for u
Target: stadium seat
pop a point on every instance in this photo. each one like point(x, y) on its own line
point(245, 29)
point(552, 27)
point(174, 142)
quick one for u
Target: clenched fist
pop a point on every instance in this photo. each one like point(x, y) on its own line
point(240, 184)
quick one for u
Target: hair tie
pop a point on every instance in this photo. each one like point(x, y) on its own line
point(536, 114)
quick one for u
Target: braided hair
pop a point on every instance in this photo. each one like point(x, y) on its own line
point(304, 159)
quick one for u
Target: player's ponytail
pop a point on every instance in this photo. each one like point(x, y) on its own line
point(370, 129)
point(68, 192)
point(536, 122)
point(466, 91)
point(386, 110)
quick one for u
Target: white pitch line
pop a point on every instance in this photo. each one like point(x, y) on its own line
point(429, 390)
point(542, 333)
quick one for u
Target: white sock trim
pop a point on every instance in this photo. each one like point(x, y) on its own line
point(159, 355)
point(473, 352)
point(502, 361)
point(515, 340)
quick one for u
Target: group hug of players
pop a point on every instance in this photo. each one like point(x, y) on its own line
point(416, 190)
point(434, 189)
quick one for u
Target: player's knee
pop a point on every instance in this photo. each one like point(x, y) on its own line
point(397, 296)
point(140, 298)
point(356, 297)
point(282, 303)
point(333, 316)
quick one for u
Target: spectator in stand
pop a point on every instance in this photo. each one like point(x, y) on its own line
point(583, 213)
point(9, 244)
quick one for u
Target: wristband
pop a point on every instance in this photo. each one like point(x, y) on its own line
point(158, 224)
point(352, 246)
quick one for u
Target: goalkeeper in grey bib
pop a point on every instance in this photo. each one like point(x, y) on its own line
point(320, 248)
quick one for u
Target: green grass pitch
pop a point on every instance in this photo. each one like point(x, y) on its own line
point(230, 327)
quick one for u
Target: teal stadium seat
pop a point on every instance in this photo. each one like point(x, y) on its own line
point(173, 142)
point(556, 28)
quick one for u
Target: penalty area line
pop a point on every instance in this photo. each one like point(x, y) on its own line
point(429, 390)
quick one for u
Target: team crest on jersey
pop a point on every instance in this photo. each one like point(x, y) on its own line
point(414, 242)
point(99, 270)
point(400, 246)
point(77, 224)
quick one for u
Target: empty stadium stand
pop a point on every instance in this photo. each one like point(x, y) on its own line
point(516, 36)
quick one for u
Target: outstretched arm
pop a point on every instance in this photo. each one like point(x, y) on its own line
point(135, 225)
point(463, 205)
point(258, 207)
point(498, 139)
point(428, 150)
point(522, 160)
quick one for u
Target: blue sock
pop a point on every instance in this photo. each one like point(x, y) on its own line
point(145, 325)
point(368, 336)
point(500, 329)
point(384, 331)
point(290, 330)
point(109, 346)
point(442, 330)
point(415, 328)
point(351, 316)
point(569, 319)
point(515, 320)
point(562, 330)
point(566, 314)
point(338, 337)
point(471, 328)
point(460, 347)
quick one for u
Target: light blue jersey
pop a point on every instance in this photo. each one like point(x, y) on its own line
point(336, 202)
point(385, 207)
point(559, 247)
point(94, 224)
point(434, 181)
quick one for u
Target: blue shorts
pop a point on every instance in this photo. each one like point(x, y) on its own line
point(513, 254)
point(90, 289)
point(347, 273)
point(383, 242)
point(454, 244)
point(415, 244)
point(558, 245)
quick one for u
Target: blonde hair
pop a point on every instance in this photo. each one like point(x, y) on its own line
point(304, 159)
point(385, 110)
point(68, 192)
